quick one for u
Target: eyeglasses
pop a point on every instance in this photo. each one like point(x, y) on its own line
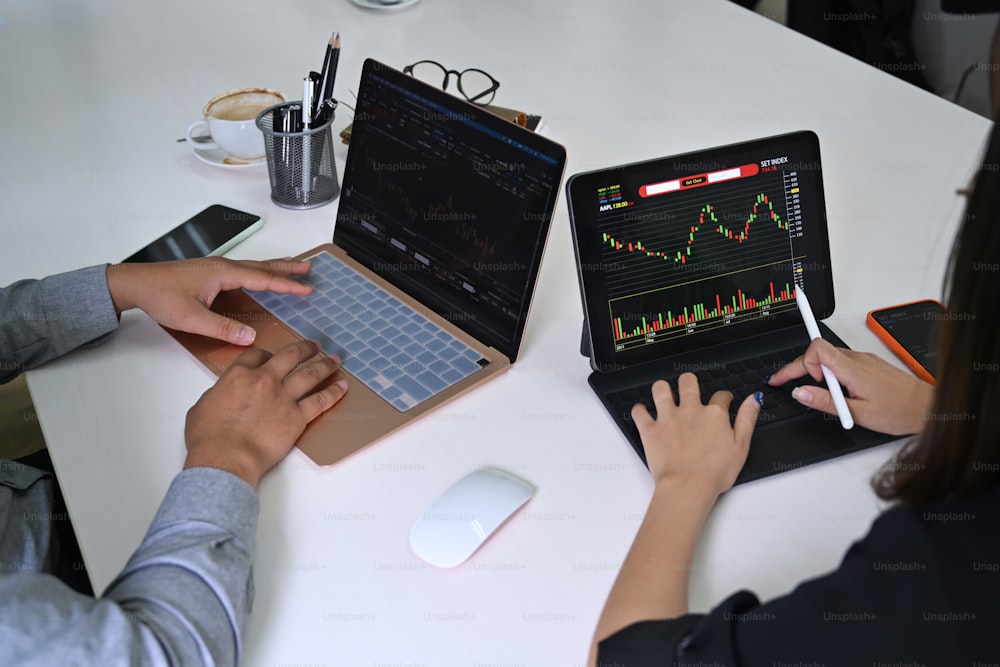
point(475, 85)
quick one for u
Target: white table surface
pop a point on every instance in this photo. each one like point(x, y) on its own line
point(95, 94)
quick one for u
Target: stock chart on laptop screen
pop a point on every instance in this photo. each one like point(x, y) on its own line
point(448, 203)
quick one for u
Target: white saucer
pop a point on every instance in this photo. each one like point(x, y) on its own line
point(220, 158)
point(375, 4)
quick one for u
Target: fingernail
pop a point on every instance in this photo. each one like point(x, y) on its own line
point(767, 380)
point(802, 395)
point(342, 384)
point(759, 397)
point(246, 336)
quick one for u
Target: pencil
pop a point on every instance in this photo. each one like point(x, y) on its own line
point(328, 75)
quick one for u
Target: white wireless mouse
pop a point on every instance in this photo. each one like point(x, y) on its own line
point(465, 516)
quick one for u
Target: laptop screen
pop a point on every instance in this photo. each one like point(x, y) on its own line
point(700, 249)
point(448, 202)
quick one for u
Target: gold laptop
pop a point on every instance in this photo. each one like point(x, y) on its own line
point(424, 293)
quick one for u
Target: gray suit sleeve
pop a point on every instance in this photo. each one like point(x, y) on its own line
point(44, 319)
point(182, 599)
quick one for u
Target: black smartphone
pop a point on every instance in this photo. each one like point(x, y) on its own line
point(910, 330)
point(214, 231)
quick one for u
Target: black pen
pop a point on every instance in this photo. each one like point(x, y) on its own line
point(317, 103)
point(294, 122)
point(279, 123)
point(290, 177)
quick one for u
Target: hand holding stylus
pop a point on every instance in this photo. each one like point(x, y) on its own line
point(846, 420)
point(881, 396)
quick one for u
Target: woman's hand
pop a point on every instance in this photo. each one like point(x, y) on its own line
point(880, 396)
point(694, 444)
point(694, 454)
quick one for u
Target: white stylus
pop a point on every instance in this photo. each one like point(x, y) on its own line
point(846, 420)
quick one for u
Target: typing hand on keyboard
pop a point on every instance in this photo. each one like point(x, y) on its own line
point(386, 344)
point(740, 378)
point(693, 442)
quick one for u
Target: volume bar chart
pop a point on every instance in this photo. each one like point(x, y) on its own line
point(633, 325)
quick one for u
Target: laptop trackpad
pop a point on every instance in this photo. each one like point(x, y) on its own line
point(795, 443)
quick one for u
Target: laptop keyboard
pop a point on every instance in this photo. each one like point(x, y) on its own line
point(391, 348)
point(742, 378)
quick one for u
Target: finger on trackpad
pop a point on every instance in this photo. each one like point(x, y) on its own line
point(271, 338)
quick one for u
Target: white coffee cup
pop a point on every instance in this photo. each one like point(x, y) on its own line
point(230, 119)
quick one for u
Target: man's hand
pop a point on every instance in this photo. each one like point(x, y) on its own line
point(259, 407)
point(179, 294)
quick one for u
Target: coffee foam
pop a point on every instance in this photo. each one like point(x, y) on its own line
point(242, 105)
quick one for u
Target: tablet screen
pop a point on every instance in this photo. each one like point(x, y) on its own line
point(695, 250)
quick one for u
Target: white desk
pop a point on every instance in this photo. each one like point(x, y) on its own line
point(95, 95)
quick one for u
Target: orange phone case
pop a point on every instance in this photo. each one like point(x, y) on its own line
point(894, 345)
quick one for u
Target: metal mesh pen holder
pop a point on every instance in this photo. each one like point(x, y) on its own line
point(301, 165)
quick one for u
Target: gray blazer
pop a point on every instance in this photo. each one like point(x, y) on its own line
point(184, 596)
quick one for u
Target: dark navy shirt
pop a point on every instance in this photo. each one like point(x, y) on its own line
point(922, 589)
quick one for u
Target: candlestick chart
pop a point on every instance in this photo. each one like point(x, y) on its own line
point(689, 261)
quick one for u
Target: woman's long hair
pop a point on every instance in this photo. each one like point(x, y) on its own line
point(958, 453)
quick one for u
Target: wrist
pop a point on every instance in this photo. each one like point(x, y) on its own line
point(687, 486)
point(923, 400)
point(695, 497)
point(237, 463)
point(121, 279)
